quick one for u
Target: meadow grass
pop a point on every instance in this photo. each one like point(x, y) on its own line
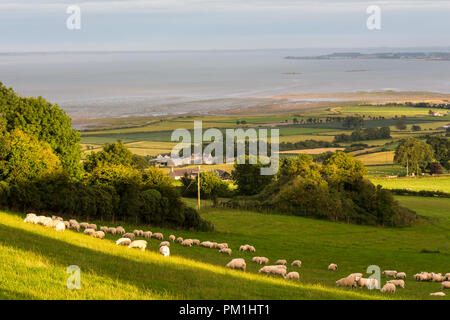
point(377, 158)
point(34, 259)
point(416, 183)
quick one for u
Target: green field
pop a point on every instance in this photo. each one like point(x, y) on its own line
point(415, 184)
point(30, 253)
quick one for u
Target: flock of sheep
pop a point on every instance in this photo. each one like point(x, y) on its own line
point(278, 269)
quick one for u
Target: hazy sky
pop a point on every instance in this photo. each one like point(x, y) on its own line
point(40, 25)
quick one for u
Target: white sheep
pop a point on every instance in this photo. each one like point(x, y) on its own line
point(226, 251)
point(222, 246)
point(437, 277)
point(75, 227)
point(333, 267)
point(158, 236)
point(84, 225)
point(164, 250)
point(293, 275)
point(445, 285)
point(60, 226)
point(439, 294)
point(187, 243)
point(147, 234)
point(180, 240)
point(172, 238)
point(136, 233)
point(164, 243)
point(92, 226)
point(347, 282)
point(66, 224)
point(237, 263)
point(447, 276)
point(196, 242)
point(281, 261)
point(243, 247)
point(138, 244)
point(104, 229)
point(99, 234)
point(112, 230)
point(275, 270)
point(390, 273)
point(296, 263)
point(388, 287)
point(367, 283)
point(31, 218)
point(89, 232)
point(129, 235)
point(123, 242)
point(120, 230)
point(400, 275)
point(397, 283)
point(73, 222)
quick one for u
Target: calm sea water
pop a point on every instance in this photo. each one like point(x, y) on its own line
point(156, 83)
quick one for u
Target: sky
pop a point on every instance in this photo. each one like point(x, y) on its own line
point(126, 25)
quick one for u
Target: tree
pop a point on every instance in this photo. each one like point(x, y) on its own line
point(413, 153)
point(46, 122)
point(400, 124)
point(249, 179)
point(113, 154)
point(353, 122)
point(24, 158)
point(343, 168)
point(441, 148)
point(416, 127)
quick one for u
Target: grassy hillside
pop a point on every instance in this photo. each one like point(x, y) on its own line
point(34, 259)
point(418, 183)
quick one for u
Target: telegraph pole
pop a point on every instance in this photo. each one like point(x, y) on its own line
point(198, 187)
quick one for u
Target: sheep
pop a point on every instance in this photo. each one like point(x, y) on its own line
point(104, 229)
point(45, 221)
point(141, 233)
point(138, 244)
point(400, 275)
point(423, 276)
point(222, 246)
point(123, 242)
point(158, 236)
point(293, 275)
point(251, 249)
point(355, 275)
point(367, 283)
point(120, 230)
point(84, 225)
point(73, 222)
point(147, 234)
point(437, 277)
point(447, 276)
point(172, 238)
point(66, 224)
point(136, 233)
point(237, 264)
point(226, 251)
point(179, 239)
point(129, 235)
point(92, 226)
point(445, 285)
point(99, 234)
point(281, 261)
point(296, 263)
point(89, 232)
point(275, 270)
point(346, 282)
point(260, 260)
point(389, 273)
point(57, 218)
point(243, 247)
point(333, 267)
point(75, 227)
point(60, 226)
point(31, 218)
point(112, 230)
point(206, 244)
point(397, 283)
point(164, 250)
point(187, 243)
point(388, 287)
point(439, 294)
point(196, 242)
point(213, 245)
point(164, 243)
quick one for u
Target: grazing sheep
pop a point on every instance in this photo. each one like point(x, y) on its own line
point(141, 233)
point(296, 263)
point(243, 247)
point(423, 276)
point(390, 273)
point(172, 238)
point(397, 283)
point(260, 260)
point(129, 235)
point(73, 221)
point(120, 230)
point(222, 246)
point(292, 275)
point(66, 224)
point(333, 267)
point(355, 275)
point(388, 287)
point(400, 275)
point(206, 244)
point(447, 276)
point(147, 234)
point(238, 263)
point(84, 225)
point(57, 218)
point(31, 218)
point(281, 261)
point(136, 233)
point(104, 229)
point(439, 294)
point(226, 251)
point(367, 283)
point(179, 239)
point(89, 232)
point(164, 250)
point(347, 282)
point(158, 236)
point(187, 243)
point(75, 227)
point(123, 242)
point(165, 243)
point(437, 277)
point(445, 285)
point(112, 230)
point(196, 242)
point(99, 234)
point(275, 270)
point(92, 226)
point(138, 244)
point(251, 249)
point(60, 226)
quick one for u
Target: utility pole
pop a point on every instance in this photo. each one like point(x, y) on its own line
point(198, 187)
